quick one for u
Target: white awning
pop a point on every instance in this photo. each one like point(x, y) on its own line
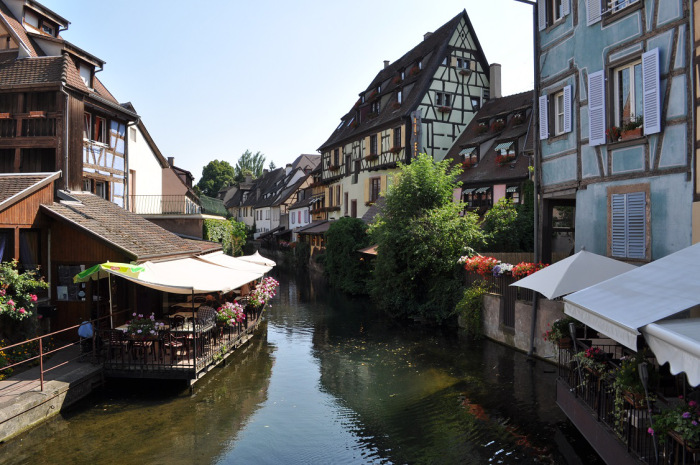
point(234, 263)
point(622, 305)
point(511, 189)
point(257, 258)
point(188, 275)
point(467, 151)
point(482, 190)
point(469, 191)
point(678, 343)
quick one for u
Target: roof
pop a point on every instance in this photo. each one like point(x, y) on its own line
point(16, 27)
point(303, 161)
point(137, 237)
point(488, 170)
point(371, 250)
point(430, 52)
point(305, 202)
point(374, 210)
point(15, 187)
point(316, 227)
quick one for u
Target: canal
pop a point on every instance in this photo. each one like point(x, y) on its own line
point(325, 381)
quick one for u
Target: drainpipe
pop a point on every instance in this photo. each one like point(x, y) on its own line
point(535, 112)
point(65, 139)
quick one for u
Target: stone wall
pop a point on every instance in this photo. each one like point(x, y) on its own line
point(519, 336)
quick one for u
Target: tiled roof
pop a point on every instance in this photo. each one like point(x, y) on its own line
point(135, 236)
point(374, 210)
point(8, 18)
point(487, 170)
point(204, 246)
point(14, 187)
point(304, 161)
point(316, 227)
point(303, 202)
point(29, 71)
point(430, 51)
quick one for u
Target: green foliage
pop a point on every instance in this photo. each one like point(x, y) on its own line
point(420, 235)
point(272, 166)
point(215, 175)
point(509, 227)
point(231, 234)
point(297, 257)
point(682, 419)
point(471, 308)
point(249, 163)
point(343, 265)
point(17, 291)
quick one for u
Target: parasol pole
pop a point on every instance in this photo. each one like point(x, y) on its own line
point(109, 283)
point(194, 332)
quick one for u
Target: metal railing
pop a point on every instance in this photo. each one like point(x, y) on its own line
point(163, 205)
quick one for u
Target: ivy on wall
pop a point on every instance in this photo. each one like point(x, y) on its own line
point(231, 234)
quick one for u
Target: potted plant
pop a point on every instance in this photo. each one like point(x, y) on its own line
point(414, 71)
point(482, 128)
point(141, 327)
point(558, 332)
point(333, 167)
point(518, 119)
point(444, 109)
point(395, 150)
point(371, 156)
point(681, 423)
point(498, 125)
point(503, 160)
point(593, 360)
point(632, 129)
point(613, 134)
point(263, 292)
point(627, 383)
point(468, 163)
point(229, 314)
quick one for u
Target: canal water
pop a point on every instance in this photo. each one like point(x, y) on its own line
point(325, 381)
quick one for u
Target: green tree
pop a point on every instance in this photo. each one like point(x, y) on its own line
point(420, 234)
point(343, 266)
point(272, 166)
point(215, 175)
point(231, 234)
point(502, 227)
point(249, 163)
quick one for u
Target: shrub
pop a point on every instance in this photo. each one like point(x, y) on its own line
point(343, 265)
point(470, 308)
point(231, 234)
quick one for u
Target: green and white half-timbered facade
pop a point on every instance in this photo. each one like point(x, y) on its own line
point(419, 104)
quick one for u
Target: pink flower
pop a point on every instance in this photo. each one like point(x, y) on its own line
point(2, 291)
point(11, 303)
point(651, 431)
point(692, 403)
point(21, 310)
point(39, 317)
point(33, 298)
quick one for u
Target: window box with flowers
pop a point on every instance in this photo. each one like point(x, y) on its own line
point(37, 114)
point(482, 128)
point(444, 109)
point(632, 129)
point(680, 423)
point(465, 72)
point(396, 80)
point(395, 150)
point(613, 134)
point(372, 95)
point(354, 124)
point(468, 163)
point(333, 167)
point(415, 70)
point(371, 156)
point(498, 125)
point(4, 116)
point(518, 119)
point(503, 160)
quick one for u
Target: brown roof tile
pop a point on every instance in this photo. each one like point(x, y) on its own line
point(136, 236)
point(15, 185)
point(7, 17)
point(27, 71)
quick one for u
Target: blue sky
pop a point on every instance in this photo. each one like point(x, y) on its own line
point(211, 79)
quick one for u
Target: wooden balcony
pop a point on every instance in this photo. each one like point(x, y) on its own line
point(36, 125)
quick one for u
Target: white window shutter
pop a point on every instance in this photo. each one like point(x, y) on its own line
point(544, 118)
point(594, 12)
point(652, 94)
point(565, 7)
point(542, 14)
point(596, 108)
point(636, 225)
point(618, 230)
point(567, 109)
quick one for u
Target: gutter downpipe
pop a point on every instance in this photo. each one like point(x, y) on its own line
point(536, 112)
point(65, 140)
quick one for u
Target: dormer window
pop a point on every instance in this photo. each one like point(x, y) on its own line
point(399, 96)
point(48, 29)
point(403, 74)
point(362, 98)
point(375, 107)
point(86, 74)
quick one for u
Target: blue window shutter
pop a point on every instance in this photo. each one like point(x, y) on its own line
point(652, 95)
point(594, 12)
point(567, 109)
point(544, 118)
point(596, 108)
point(618, 226)
point(542, 14)
point(565, 7)
point(636, 225)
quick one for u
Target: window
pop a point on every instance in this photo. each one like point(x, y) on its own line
point(353, 208)
point(100, 130)
point(476, 103)
point(306, 216)
point(617, 5)
point(374, 108)
point(628, 225)
point(403, 74)
point(375, 185)
point(293, 216)
point(560, 108)
point(399, 97)
point(443, 99)
point(628, 93)
point(87, 119)
point(373, 144)
point(132, 134)
point(87, 185)
point(298, 217)
point(550, 12)
point(635, 93)
point(101, 189)
point(397, 137)
point(337, 195)
point(85, 74)
point(463, 63)
point(47, 28)
point(336, 157)
point(345, 204)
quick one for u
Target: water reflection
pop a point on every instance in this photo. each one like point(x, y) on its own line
point(327, 380)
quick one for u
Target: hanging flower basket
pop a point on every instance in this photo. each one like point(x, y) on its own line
point(444, 109)
point(371, 157)
point(395, 150)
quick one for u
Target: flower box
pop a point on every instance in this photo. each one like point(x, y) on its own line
point(395, 150)
point(37, 114)
point(415, 70)
point(468, 163)
point(444, 109)
point(503, 160)
point(371, 157)
point(396, 80)
point(482, 129)
point(4, 116)
point(498, 126)
point(631, 134)
point(465, 72)
point(334, 167)
point(396, 105)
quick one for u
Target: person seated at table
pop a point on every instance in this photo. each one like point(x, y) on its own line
point(245, 290)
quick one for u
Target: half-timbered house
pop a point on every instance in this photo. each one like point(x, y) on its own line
point(55, 114)
point(420, 103)
point(615, 124)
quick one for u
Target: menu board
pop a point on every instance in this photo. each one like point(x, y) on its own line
point(66, 289)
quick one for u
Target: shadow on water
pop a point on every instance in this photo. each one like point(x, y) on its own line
point(327, 379)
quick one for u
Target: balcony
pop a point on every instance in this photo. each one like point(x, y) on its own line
point(163, 205)
point(27, 125)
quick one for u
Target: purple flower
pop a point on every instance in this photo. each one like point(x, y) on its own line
point(695, 423)
point(686, 414)
point(651, 431)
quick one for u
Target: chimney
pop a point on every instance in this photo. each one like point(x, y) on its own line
point(426, 35)
point(265, 171)
point(287, 169)
point(171, 161)
point(249, 178)
point(495, 81)
point(386, 64)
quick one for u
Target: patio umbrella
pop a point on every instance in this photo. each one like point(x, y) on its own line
point(572, 274)
point(257, 258)
point(105, 270)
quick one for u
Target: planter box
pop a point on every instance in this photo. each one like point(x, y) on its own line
point(4, 116)
point(631, 134)
point(37, 114)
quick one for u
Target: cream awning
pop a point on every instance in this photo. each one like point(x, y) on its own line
point(622, 305)
point(234, 263)
point(257, 258)
point(678, 343)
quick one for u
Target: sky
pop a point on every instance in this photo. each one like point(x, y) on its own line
point(214, 78)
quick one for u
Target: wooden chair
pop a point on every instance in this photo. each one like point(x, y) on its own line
point(173, 346)
point(114, 343)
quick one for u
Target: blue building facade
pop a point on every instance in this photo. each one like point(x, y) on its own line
point(615, 124)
